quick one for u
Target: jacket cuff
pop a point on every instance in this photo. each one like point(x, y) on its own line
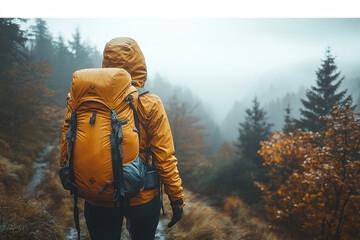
point(178, 203)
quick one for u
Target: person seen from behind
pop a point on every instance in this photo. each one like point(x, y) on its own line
point(104, 222)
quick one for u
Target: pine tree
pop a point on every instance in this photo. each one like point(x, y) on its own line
point(81, 56)
point(26, 116)
point(43, 49)
point(322, 97)
point(12, 41)
point(63, 68)
point(12, 52)
point(254, 129)
point(289, 125)
point(85, 56)
point(242, 175)
point(95, 57)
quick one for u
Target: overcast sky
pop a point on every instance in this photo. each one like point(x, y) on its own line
point(224, 60)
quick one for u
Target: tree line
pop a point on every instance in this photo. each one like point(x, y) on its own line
point(64, 58)
point(36, 72)
point(305, 176)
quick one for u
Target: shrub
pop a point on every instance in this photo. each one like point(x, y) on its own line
point(22, 217)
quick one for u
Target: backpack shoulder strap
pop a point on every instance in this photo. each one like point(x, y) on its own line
point(130, 99)
point(142, 91)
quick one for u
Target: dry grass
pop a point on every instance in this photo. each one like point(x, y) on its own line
point(203, 222)
point(23, 217)
point(50, 214)
point(27, 218)
point(243, 216)
point(58, 200)
point(12, 175)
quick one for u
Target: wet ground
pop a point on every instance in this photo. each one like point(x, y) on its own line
point(40, 168)
point(159, 235)
point(161, 229)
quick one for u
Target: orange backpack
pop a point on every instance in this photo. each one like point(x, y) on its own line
point(103, 135)
point(103, 162)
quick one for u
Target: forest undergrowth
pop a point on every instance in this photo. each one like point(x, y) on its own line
point(49, 214)
point(300, 182)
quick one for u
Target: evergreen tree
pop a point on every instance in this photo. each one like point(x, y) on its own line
point(253, 130)
point(95, 57)
point(63, 68)
point(242, 174)
point(43, 49)
point(81, 56)
point(289, 125)
point(12, 51)
point(322, 97)
point(12, 41)
point(23, 94)
point(85, 56)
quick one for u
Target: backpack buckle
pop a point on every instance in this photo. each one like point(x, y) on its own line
point(93, 118)
point(129, 98)
point(114, 117)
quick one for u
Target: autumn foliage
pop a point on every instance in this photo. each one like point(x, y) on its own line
point(314, 183)
point(188, 135)
point(26, 115)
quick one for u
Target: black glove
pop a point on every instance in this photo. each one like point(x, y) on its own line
point(177, 212)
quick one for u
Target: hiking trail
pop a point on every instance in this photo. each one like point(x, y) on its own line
point(40, 168)
point(161, 228)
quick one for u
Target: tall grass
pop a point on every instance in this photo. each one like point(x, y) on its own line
point(203, 222)
point(22, 217)
point(50, 214)
point(59, 201)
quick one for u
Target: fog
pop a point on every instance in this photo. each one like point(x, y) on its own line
point(228, 60)
point(216, 71)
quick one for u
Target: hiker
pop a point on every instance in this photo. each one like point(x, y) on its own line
point(156, 148)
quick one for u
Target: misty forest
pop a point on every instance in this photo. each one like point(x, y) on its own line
point(282, 169)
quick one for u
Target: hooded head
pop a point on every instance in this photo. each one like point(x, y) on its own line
point(125, 53)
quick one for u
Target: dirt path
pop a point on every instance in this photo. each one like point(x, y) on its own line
point(40, 168)
point(161, 228)
point(159, 235)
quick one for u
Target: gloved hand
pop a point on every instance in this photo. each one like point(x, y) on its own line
point(177, 212)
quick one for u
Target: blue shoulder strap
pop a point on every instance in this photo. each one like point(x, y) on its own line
point(142, 91)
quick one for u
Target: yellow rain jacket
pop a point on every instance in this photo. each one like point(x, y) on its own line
point(155, 130)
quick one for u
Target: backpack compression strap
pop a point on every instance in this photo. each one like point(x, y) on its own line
point(70, 138)
point(116, 138)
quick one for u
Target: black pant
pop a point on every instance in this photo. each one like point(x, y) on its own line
point(105, 223)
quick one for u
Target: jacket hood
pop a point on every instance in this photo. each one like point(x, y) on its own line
point(125, 53)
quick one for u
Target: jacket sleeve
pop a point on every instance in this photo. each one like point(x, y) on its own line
point(161, 141)
point(63, 144)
